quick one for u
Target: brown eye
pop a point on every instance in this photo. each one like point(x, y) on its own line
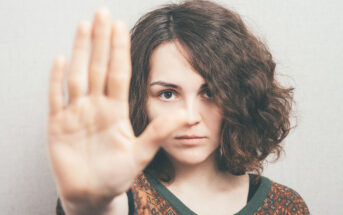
point(208, 94)
point(167, 94)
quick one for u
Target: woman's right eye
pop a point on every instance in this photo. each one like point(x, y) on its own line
point(167, 94)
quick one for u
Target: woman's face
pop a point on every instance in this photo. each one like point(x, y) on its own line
point(174, 84)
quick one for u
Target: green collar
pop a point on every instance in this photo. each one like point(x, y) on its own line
point(255, 202)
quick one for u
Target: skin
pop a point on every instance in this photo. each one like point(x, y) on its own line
point(90, 138)
point(203, 116)
point(197, 182)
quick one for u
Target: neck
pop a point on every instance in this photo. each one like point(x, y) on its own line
point(203, 175)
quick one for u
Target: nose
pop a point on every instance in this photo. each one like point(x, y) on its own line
point(193, 111)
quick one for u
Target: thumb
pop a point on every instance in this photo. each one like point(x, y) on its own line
point(158, 130)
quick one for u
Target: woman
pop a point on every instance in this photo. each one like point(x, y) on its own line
point(204, 112)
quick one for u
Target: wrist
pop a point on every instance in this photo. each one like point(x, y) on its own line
point(88, 206)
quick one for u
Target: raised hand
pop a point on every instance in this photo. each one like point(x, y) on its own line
point(93, 151)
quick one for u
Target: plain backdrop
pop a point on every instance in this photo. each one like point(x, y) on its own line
point(305, 38)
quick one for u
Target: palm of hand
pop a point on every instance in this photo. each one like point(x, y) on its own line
point(93, 151)
point(104, 142)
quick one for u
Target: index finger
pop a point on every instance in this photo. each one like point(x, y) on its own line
point(119, 75)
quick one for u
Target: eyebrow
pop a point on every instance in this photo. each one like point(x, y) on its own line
point(171, 85)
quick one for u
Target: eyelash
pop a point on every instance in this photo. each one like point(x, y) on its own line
point(173, 91)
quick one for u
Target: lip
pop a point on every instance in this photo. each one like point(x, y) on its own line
point(190, 140)
point(189, 137)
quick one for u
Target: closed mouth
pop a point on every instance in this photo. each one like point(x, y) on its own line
point(189, 137)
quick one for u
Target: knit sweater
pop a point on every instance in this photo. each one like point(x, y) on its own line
point(147, 196)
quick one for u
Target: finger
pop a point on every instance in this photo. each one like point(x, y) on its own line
point(100, 50)
point(77, 78)
point(119, 75)
point(156, 133)
point(56, 95)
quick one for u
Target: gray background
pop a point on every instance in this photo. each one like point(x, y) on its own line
point(304, 37)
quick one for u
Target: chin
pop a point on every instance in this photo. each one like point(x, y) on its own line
point(190, 157)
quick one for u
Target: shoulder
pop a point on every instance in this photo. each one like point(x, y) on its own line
point(282, 199)
point(270, 198)
point(146, 199)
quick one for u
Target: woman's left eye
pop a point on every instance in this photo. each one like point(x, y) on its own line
point(208, 93)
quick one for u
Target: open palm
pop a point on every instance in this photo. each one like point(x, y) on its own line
point(92, 148)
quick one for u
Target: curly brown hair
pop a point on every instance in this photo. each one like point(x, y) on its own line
point(240, 74)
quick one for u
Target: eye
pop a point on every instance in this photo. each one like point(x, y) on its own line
point(167, 94)
point(207, 93)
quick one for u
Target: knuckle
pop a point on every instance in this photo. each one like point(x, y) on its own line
point(73, 83)
point(100, 35)
point(118, 78)
point(96, 69)
point(119, 45)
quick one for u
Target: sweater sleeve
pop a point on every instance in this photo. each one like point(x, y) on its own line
point(60, 211)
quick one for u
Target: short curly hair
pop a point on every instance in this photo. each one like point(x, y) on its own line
point(240, 73)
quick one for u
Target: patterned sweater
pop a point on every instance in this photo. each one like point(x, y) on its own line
point(147, 196)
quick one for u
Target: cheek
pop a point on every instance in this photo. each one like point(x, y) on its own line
point(155, 108)
point(214, 121)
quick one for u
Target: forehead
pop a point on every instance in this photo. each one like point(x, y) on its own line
point(168, 63)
